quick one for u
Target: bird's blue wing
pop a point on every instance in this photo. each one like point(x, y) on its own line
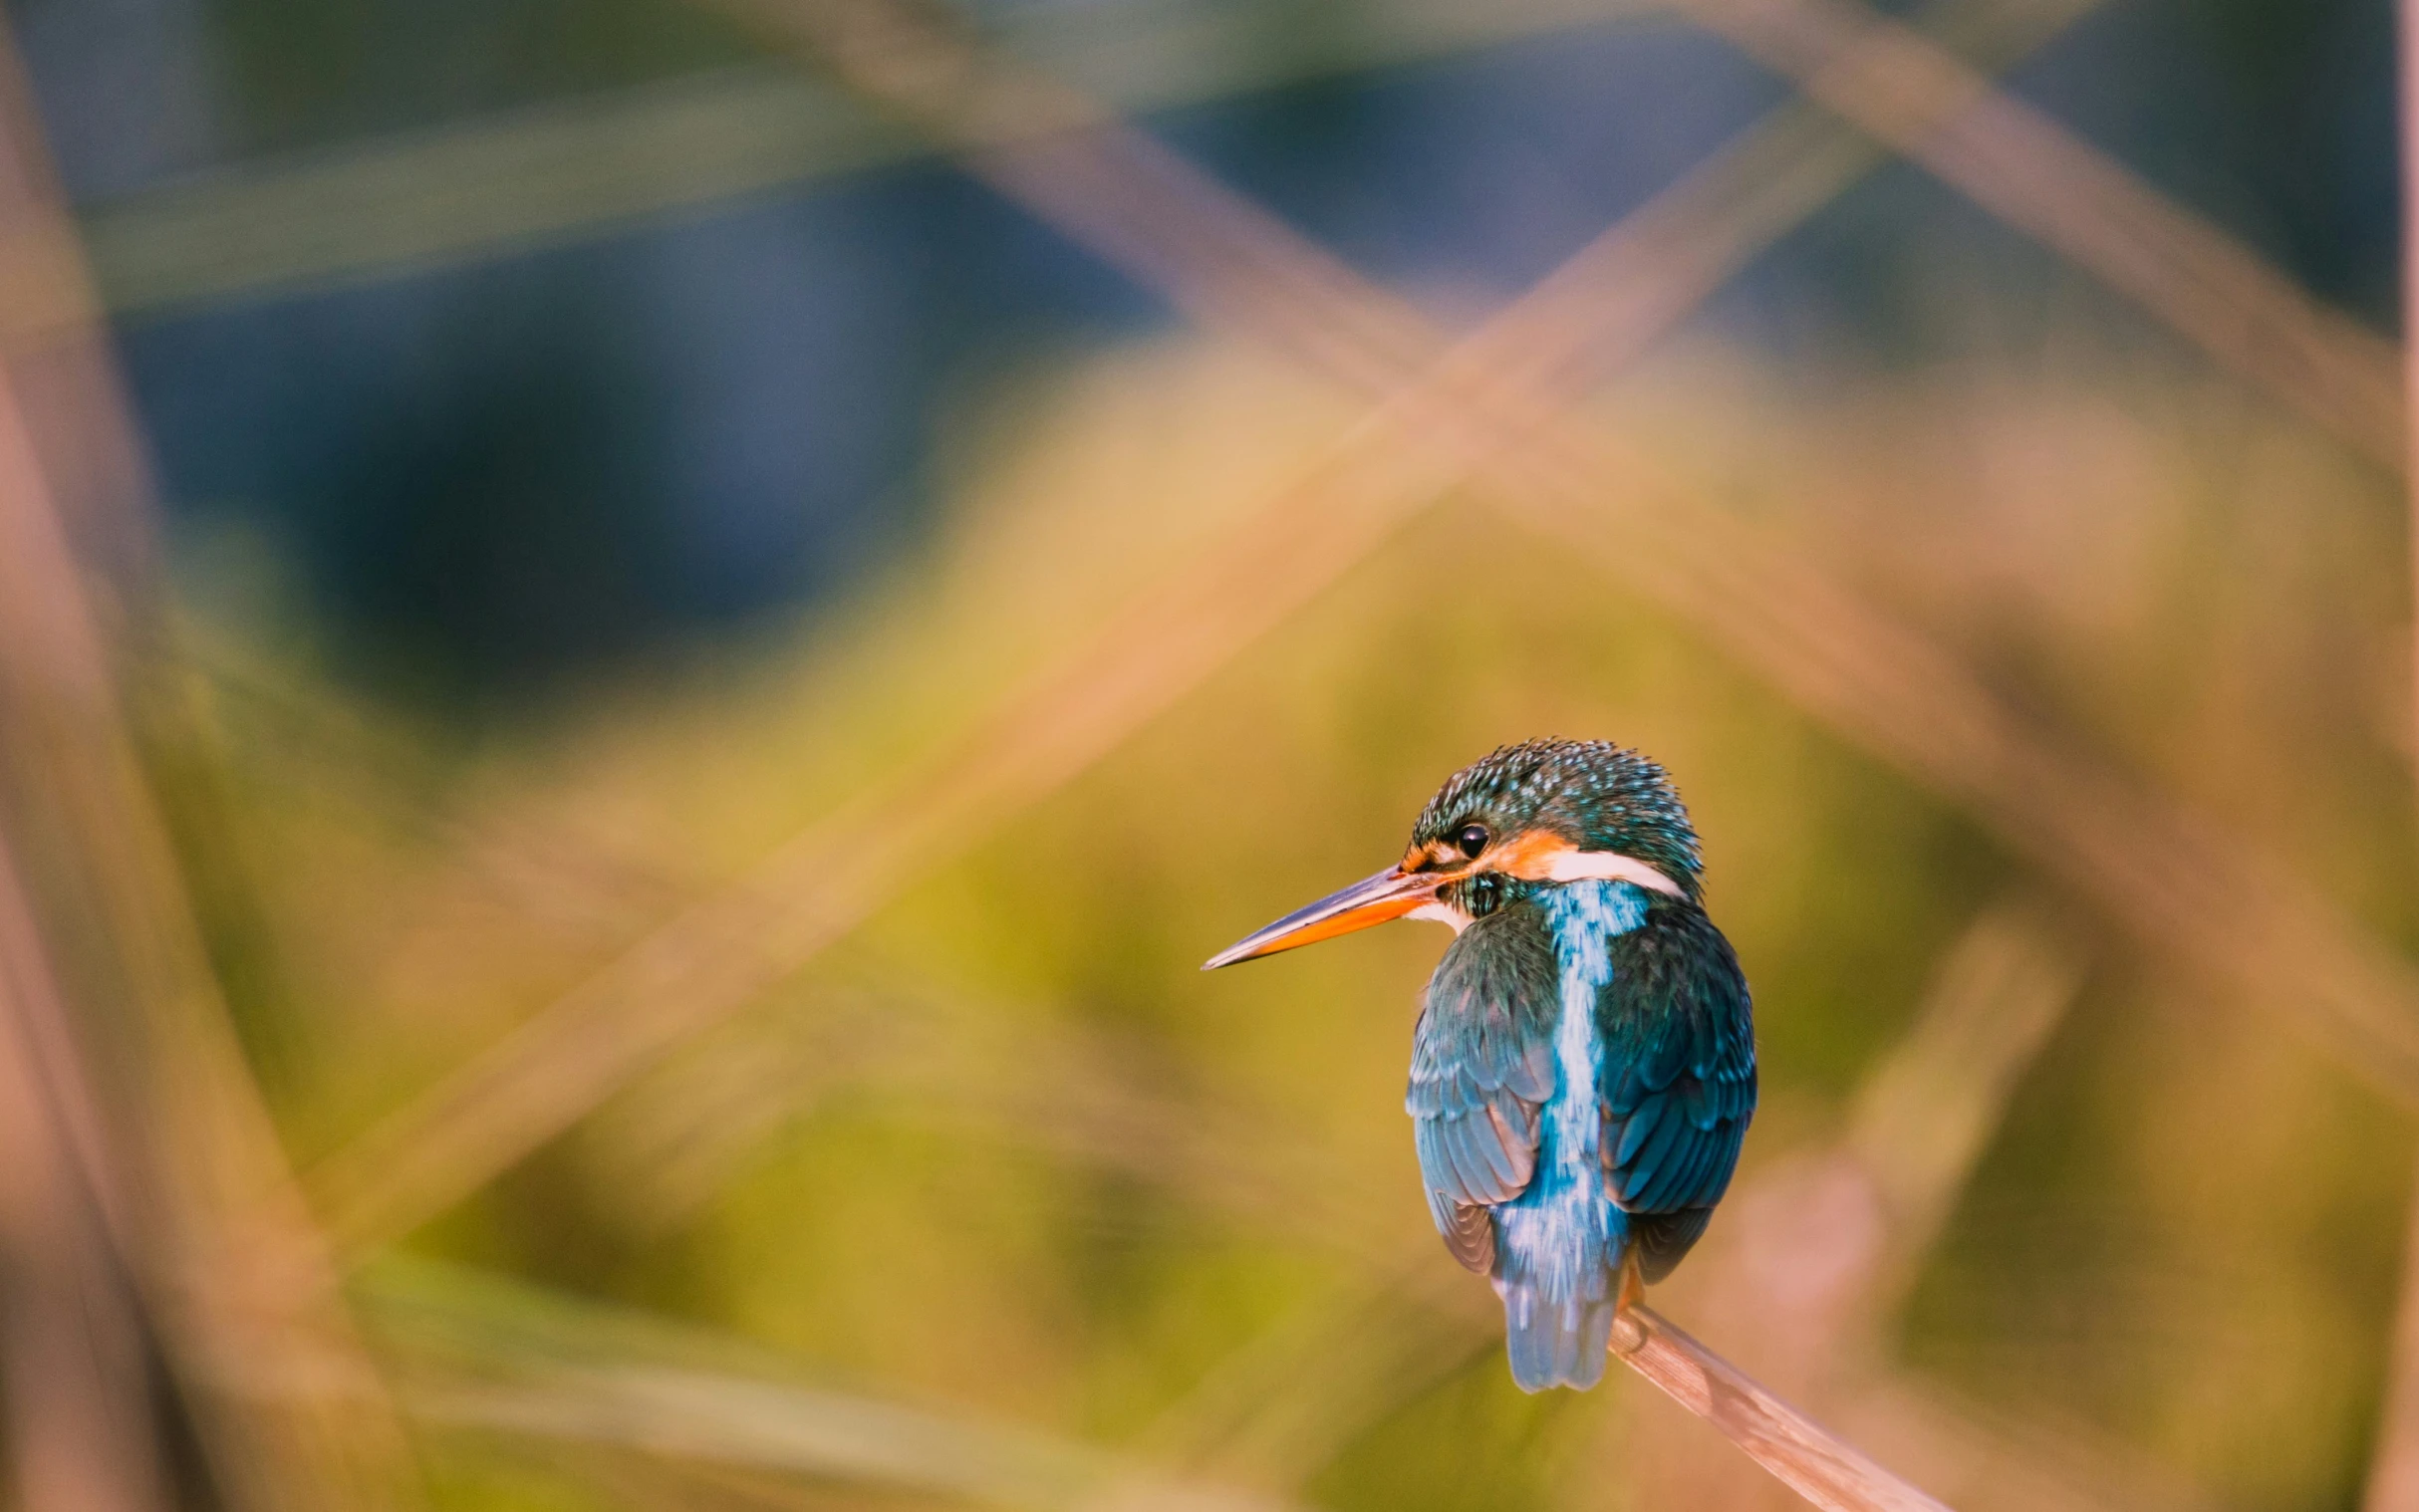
point(1481, 1065)
point(1678, 1084)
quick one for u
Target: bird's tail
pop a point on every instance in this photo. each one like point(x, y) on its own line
point(1557, 1328)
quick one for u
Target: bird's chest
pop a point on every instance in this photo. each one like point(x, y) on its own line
point(1563, 1230)
point(1515, 1003)
point(1584, 920)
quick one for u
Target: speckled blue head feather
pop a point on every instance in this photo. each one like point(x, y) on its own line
point(1593, 793)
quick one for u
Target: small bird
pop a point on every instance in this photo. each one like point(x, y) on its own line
point(1584, 1066)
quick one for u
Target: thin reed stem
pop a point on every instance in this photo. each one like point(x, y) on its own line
point(1796, 1451)
point(2393, 1475)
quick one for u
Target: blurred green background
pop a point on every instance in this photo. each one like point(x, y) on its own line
point(592, 449)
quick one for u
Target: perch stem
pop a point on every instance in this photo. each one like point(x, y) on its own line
point(1798, 1451)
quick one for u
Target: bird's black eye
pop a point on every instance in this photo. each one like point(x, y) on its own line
point(1471, 840)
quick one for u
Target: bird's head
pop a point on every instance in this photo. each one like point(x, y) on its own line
point(1532, 816)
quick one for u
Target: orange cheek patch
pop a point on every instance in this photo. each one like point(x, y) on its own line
point(1530, 855)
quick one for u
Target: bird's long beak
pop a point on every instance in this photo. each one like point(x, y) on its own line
point(1391, 893)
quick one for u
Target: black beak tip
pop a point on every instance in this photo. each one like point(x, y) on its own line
point(1235, 954)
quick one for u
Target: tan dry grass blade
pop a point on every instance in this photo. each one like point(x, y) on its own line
point(2406, 73)
point(2393, 1474)
point(209, 1222)
point(2025, 168)
point(592, 167)
point(79, 1413)
point(1635, 283)
point(1608, 302)
point(227, 1254)
point(1796, 1451)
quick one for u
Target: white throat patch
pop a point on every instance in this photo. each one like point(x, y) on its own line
point(1443, 914)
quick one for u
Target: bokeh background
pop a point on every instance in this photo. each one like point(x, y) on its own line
point(645, 641)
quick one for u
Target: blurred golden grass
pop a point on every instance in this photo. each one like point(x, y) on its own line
point(1029, 1166)
point(1222, 260)
point(481, 1352)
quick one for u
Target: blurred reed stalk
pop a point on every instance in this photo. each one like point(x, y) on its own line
point(2018, 163)
point(2393, 1478)
point(73, 1370)
point(571, 171)
point(177, 1152)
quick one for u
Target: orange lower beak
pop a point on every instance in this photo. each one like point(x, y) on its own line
point(1391, 893)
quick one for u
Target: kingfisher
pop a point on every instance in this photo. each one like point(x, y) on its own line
point(1584, 1066)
